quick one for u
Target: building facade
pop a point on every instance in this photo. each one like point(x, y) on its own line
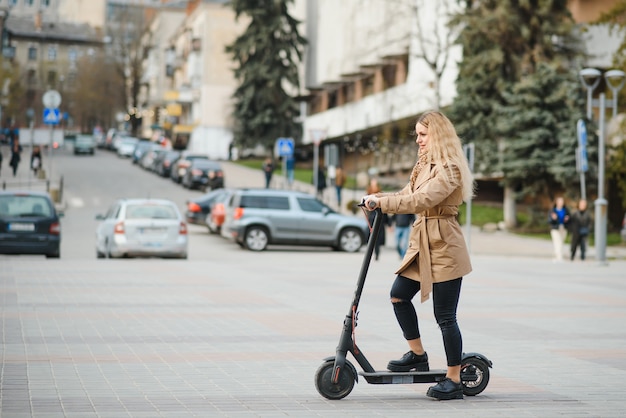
point(194, 103)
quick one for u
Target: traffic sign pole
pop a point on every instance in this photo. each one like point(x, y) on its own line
point(51, 100)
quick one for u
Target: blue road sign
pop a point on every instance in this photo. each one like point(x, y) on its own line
point(285, 147)
point(51, 116)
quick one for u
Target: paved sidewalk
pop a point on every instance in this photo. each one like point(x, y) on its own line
point(236, 334)
point(239, 336)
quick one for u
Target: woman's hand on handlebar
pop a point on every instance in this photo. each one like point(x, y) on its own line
point(370, 201)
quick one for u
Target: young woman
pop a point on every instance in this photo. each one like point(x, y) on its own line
point(437, 257)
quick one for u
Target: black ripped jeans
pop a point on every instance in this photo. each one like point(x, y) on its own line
point(445, 301)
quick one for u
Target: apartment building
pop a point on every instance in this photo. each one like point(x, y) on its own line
point(368, 77)
point(195, 104)
point(45, 39)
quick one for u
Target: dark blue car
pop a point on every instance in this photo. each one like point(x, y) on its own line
point(29, 224)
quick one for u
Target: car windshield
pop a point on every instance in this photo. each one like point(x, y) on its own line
point(24, 206)
point(150, 211)
point(83, 139)
point(205, 164)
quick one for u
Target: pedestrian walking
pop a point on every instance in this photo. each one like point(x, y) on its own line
point(290, 164)
point(321, 183)
point(558, 217)
point(437, 258)
point(402, 223)
point(36, 161)
point(580, 226)
point(340, 180)
point(268, 170)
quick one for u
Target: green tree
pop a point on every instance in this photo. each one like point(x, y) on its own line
point(504, 44)
point(538, 124)
point(266, 57)
point(98, 93)
point(12, 105)
point(128, 24)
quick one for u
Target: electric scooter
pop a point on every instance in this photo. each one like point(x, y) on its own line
point(336, 376)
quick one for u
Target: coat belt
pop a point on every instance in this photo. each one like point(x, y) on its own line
point(424, 260)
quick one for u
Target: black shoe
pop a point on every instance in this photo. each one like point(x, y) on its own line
point(408, 362)
point(446, 390)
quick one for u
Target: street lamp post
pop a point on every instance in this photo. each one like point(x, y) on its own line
point(619, 78)
point(590, 78)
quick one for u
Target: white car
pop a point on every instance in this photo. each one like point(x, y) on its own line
point(126, 146)
point(142, 228)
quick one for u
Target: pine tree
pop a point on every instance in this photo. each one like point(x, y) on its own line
point(266, 57)
point(508, 46)
point(539, 131)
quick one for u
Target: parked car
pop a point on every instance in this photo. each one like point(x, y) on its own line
point(84, 144)
point(29, 224)
point(623, 231)
point(164, 161)
point(116, 140)
point(142, 227)
point(200, 207)
point(256, 218)
point(203, 174)
point(147, 159)
point(182, 164)
point(126, 146)
point(141, 148)
point(108, 139)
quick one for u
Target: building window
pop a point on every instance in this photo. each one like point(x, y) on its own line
point(389, 76)
point(32, 53)
point(71, 79)
point(52, 53)
point(31, 78)
point(368, 85)
point(30, 96)
point(12, 2)
point(45, 3)
point(52, 78)
point(30, 2)
point(72, 56)
point(332, 99)
point(348, 92)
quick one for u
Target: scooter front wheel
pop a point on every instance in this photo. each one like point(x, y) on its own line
point(474, 376)
point(324, 380)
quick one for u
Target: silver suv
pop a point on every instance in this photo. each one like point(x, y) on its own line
point(256, 218)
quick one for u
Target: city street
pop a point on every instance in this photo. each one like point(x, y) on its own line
point(233, 333)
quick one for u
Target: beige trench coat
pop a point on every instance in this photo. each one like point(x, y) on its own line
point(437, 251)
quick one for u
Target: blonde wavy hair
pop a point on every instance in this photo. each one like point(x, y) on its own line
point(445, 150)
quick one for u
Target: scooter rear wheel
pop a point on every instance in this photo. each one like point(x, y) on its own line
point(324, 380)
point(474, 376)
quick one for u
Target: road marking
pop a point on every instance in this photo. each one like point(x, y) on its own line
point(76, 202)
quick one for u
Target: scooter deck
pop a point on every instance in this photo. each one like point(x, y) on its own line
point(386, 377)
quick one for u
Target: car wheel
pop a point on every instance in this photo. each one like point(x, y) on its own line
point(54, 255)
point(350, 240)
point(256, 238)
